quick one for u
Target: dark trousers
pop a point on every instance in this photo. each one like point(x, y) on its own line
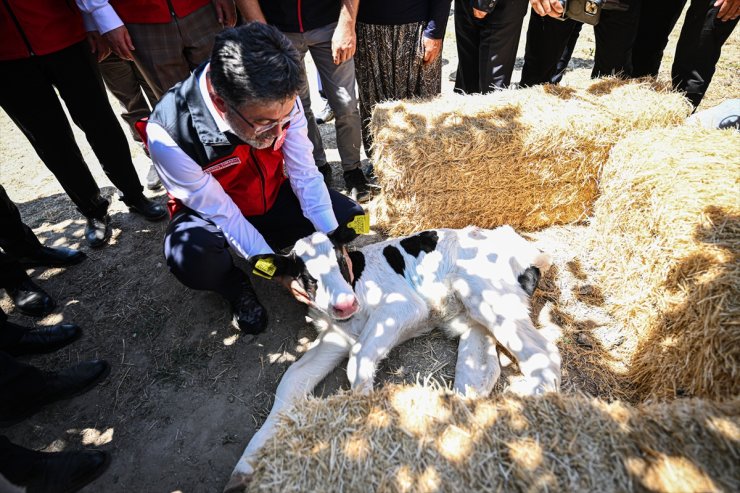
point(548, 40)
point(27, 95)
point(197, 251)
point(16, 240)
point(486, 48)
point(699, 45)
point(124, 80)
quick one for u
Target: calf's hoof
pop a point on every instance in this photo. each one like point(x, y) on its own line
point(238, 483)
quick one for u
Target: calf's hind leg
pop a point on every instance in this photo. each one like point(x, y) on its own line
point(477, 369)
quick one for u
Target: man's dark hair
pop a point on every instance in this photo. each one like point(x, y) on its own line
point(254, 62)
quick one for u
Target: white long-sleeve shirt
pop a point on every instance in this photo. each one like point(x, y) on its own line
point(102, 13)
point(185, 180)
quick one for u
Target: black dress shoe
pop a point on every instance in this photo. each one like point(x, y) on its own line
point(44, 340)
point(31, 299)
point(59, 385)
point(147, 208)
point(97, 231)
point(65, 472)
point(52, 257)
point(357, 186)
point(249, 313)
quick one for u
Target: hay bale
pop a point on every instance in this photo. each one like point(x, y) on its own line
point(666, 237)
point(529, 158)
point(417, 439)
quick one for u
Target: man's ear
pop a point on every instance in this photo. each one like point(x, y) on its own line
point(218, 102)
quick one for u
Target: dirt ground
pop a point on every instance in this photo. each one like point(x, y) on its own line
point(186, 393)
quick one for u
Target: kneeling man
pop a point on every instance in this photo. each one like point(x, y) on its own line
point(230, 144)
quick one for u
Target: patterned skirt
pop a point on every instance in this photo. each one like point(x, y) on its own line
point(390, 65)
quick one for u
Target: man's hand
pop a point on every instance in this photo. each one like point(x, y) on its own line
point(479, 14)
point(120, 42)
point(98, 46)
point(226, 12)
point(343, 43)
point(274, 266)
point(432, 49)
point(553, 8)
point(729, 10)
point(295, 288)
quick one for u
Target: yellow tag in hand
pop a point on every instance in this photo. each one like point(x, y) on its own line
point(360, 224)
point(264, 267)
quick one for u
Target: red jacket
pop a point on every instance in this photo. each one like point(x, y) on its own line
point(154, 11)
point(38, 27)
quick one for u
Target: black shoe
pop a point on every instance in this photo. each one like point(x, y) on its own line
point(44, 340)
point(249, 313)
point(97, 231)
point(147, 208)
point(66, 472)
point(325, 170)
point(357, 186)
point(60, 385)
point(53, 257)
point(31, 299)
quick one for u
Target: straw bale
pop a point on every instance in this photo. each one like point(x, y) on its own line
point(666, 237)
point(529, 158)
point(420, 439)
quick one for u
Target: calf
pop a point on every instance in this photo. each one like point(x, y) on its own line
point(475, 283)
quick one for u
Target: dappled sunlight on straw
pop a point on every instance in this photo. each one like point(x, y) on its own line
point(91, 436)
point(418, 408)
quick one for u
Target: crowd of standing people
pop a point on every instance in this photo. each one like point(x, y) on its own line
point(225, 116)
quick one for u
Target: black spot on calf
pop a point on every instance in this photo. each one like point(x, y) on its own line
point(528, 279)
point(358, 265)
point(426, 241)
point(395, 259)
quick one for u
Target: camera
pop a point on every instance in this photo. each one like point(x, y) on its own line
point(586, 11)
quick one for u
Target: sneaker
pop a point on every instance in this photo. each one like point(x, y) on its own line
point(249, 314)
point(326, 115)
point(453, 76)
point(152, 179)
point(356, 185)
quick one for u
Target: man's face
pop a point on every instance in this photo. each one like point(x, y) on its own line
point(259, 124)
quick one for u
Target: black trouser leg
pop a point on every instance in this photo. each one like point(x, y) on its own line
point(547, 41)
point(75, 74)
point(615, 35)
point(19, 383)
point(11, 272)
point(29, 99)
point(657, 19)
point(16, 238)
point(467, 36)
point(499, 40)
point(562, 64)
point(699, 48)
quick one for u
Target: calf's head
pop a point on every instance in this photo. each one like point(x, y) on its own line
point(326, 276)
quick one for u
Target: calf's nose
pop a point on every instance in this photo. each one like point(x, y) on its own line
point(346, 306)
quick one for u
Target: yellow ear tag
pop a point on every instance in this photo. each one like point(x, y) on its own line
point(264, 267)
point(360, 224)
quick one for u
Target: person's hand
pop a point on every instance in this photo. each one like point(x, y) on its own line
point(226, 12)
point(98, 45)
point(479, 14)
point(432, 49)
point(553, 8)
point(729, 10)
point(274, 266)
point(295, 288)
point(343, 43)
point(120, 42)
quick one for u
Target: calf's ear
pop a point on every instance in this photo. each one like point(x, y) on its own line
point(529, 279)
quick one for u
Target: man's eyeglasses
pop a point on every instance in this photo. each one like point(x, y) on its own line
point(260, 129)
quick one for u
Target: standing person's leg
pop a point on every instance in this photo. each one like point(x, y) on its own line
point(319, 156)
point(547, 41)
point(657, 19)
point(615, 35)
point(121, 79)
point(339, 86)
point(16, 238)
point(31, 102)
point(199, 31)
point(699, 48)
point(499, 40)
point(467, 36)
point(76, 76)
point(562, 64)
point(370, 56)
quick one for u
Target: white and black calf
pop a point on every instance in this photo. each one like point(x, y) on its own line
point(476, 283)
